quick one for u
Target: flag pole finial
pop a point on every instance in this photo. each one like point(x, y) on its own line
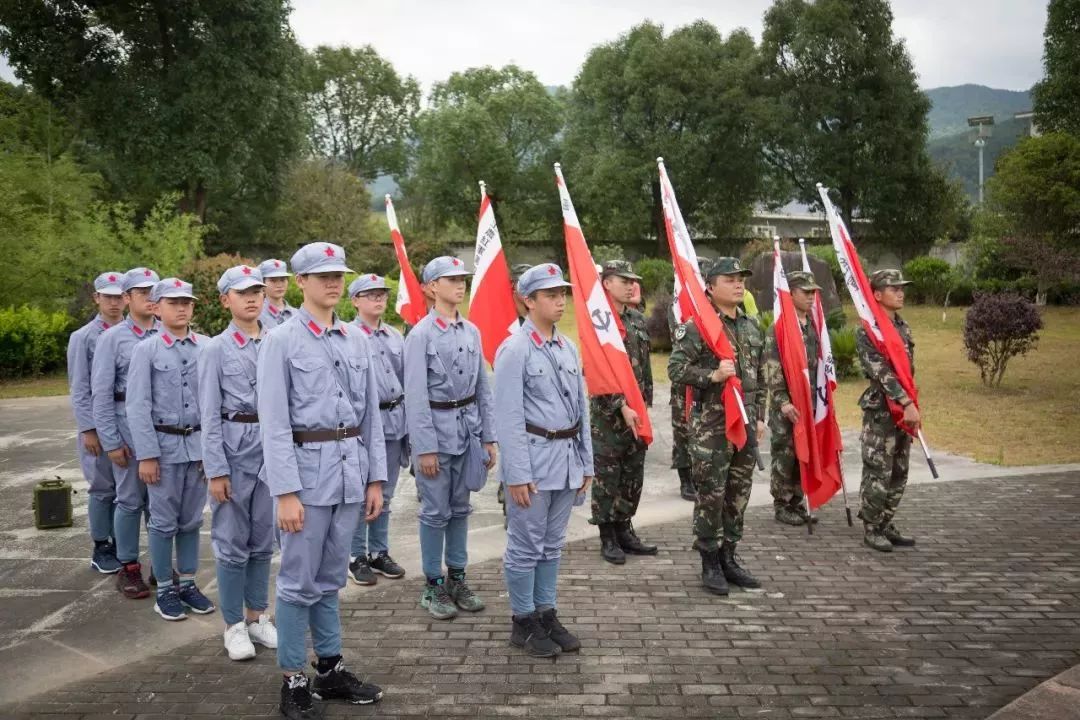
point(387, 197)
point(483, 188)
point(558, 166)
point(659, 161)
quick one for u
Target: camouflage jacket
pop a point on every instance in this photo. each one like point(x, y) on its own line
point(878, 371)
point(678, 392)
point(605, 411)
point(774, 371)
point(692, 361)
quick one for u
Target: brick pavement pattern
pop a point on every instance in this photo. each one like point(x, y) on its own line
point(985, 608)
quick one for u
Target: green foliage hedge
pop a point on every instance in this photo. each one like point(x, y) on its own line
point(656, 275)
point(32, 341)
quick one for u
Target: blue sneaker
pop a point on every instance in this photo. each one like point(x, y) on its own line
point(168, 605)
point(104, 558)
point(194, 600)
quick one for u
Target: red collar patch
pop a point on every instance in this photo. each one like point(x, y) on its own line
point(167, 339)
point(273, 311)
point(314, 328)
point(238, 336)
point(441, 323)
point(139, 332)
point(366, 329)
point(537, 340)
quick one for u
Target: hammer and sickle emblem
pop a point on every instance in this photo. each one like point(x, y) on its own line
point(601, 319)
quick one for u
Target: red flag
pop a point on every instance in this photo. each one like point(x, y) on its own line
point(875, 321)
point(694, 304)
point(603, 354)
point(828, 429)
point(818, 473)
point(491, 307)
point(410, 298)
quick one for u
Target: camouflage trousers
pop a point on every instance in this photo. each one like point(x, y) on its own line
point(680, 428)
point(616, 488)
point(785, 482)
point(886, 451)
point(723, 479)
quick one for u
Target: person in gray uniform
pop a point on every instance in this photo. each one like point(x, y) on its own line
point(371, 541)
point(448, 409)
point(163, 415)
point(95, 464)
point(324, 460)
point(242, 514)
point(108, 384)
point(542, 420)
point(276, 309)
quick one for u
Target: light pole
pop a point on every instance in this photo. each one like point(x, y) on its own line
point(982, 127)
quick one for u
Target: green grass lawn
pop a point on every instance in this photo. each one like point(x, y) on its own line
point(45, 386)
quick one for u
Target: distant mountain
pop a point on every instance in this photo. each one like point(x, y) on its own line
point(952, 106)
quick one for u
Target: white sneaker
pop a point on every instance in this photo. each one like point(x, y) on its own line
point(237, 642)
point(263, 632)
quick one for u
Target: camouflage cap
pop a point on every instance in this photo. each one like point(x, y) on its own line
point(517, 270)
point(726, 266)
point(622, 268)
point(703, 264)
point(802, 280)
point(889, 277)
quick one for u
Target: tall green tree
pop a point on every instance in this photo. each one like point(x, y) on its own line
point(1035, 198)
point(688, 97)
point(199, 97)
point(496, 125)
point(360, 110)
point(1057, 95)
point(847, 112)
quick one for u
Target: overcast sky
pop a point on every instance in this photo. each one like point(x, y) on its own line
point(953, 42)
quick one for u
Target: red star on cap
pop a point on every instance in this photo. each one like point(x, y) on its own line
point(455, 262)
point(112, 278)
point(277, 264)
point(374, 277)
point(246, 270)
point(552, 270)
point(177, 283)
point(329, 251)
point(147, 273)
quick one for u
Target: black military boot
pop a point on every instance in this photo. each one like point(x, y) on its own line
point(686, 485)
point(874, 538)
point(712, 577)
point(630, 542)
point(559, 635)
point(897, 538)
point(530, 635)
point(735, 574)
point(609, 548)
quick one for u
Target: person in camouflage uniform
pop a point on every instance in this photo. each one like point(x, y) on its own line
point(619, 456)
point(723, 474)
point(785, 483)
point(886, 449)
point(680, 422)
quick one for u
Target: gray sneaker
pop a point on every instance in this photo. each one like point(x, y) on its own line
point(463, 595)
point(437, 601)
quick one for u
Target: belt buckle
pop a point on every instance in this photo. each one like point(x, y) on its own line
point(188, 430)
point(339, 434)
point(550, 434)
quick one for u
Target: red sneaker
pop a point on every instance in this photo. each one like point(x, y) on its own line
point(129, 581)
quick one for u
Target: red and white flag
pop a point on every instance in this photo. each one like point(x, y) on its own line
point(694, 304)
point(828, 428)
point(410, 298)
point(878, 325)
point(491, 307)
point(819, 473)
point(603, 354)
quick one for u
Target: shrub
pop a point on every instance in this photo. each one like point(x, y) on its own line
point(657, 322)
point(844, 352)
point(203, 273)
point(931, 279)
point(766, 320)
point(827, 254)
point(32, 341)
point(836, 319)
point(656, 275)
point(997, 328)
point(602, 253)
point(345, 309)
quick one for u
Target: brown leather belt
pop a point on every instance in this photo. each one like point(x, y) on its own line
point(451, 404)
point(119, 397)
point(306, 436)
point(391, 404)
point(241, 417)
point(177, 430)
point(552, 434)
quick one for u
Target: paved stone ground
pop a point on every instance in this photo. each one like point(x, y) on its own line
point(986, 607)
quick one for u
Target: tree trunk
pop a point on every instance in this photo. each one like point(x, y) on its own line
point(659, 226)
point(194, 201)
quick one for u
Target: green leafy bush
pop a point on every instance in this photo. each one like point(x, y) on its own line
point(931, 279)
point(32, 341)
point(836, 319)
point(345, 309)
point(844, 352)
point(600, 253)
point(656, 275)
point(766, 320)
point(657, 322)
